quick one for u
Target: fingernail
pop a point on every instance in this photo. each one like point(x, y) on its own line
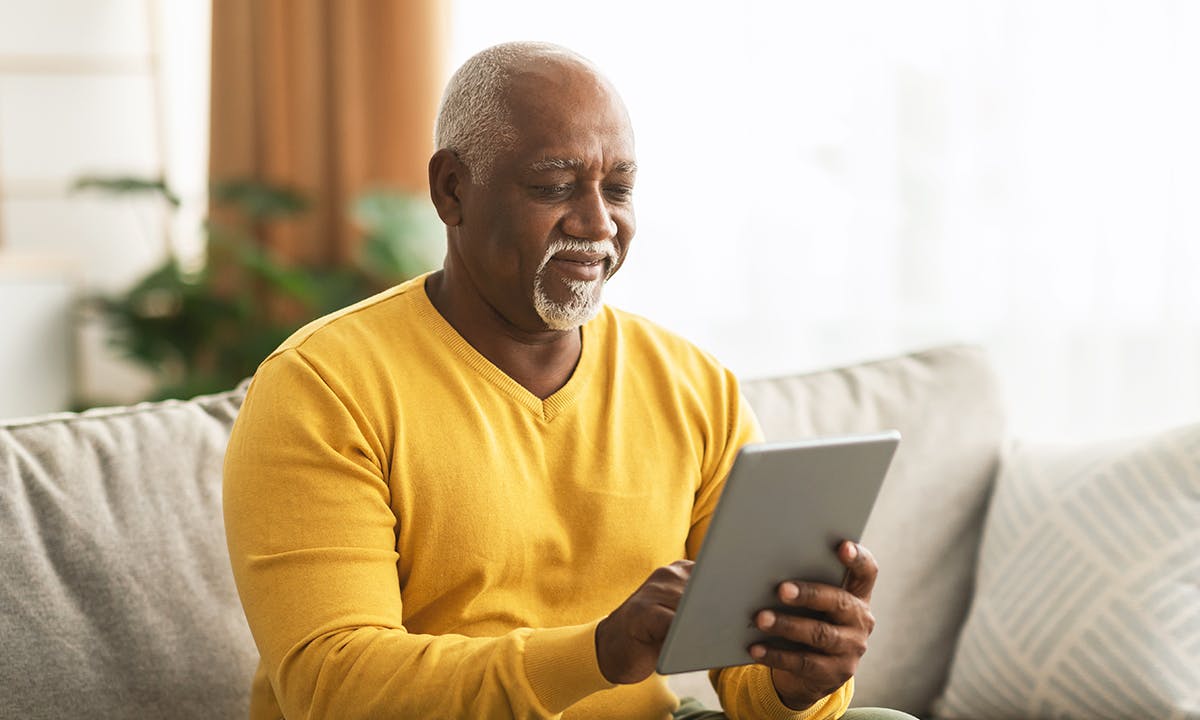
point(789, 591)
point(766, 619)
point(758, 652)
point(853, 551)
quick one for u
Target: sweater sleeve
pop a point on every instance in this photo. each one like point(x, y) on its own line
point(731, 426)
point(311, 535)
point(746, 692)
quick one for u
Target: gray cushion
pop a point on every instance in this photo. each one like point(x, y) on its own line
point(117, 600)
point(926, 526)
point(1088, 597)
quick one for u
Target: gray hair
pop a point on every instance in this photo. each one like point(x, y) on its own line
point(474, 120)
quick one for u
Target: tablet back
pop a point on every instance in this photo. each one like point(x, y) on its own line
point(784, 509)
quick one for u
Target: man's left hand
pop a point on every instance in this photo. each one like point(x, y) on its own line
point(823, 651)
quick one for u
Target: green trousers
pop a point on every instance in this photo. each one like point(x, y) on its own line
point(691, 709)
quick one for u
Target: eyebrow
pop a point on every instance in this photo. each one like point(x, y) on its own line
point(625, 166)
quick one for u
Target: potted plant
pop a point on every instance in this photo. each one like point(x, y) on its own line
point(204, 330)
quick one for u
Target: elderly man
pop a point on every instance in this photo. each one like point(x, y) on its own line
point(474, 495)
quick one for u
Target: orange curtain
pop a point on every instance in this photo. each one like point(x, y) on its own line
point(329, 97)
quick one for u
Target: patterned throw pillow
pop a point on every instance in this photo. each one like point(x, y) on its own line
point(1087, 602)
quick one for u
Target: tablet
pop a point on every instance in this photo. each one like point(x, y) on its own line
point(784, 509)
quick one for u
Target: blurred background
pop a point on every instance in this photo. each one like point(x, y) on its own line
point(182, 182)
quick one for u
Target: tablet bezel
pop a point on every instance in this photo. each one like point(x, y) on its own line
point(777, 495)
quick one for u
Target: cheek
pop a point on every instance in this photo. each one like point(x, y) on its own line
point(626, 227)
point(527, 224)
point(517, 233)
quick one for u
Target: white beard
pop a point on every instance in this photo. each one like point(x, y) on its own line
point(584, 302)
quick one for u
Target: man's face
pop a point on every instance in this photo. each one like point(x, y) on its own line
point(555, 218)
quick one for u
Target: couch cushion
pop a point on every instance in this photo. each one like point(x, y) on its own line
point(925, 529)
point(117, 600)
point(1088, 602)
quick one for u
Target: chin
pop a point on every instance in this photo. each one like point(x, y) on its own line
point(583, 302)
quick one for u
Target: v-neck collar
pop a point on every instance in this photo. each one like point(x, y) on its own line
point(546, 409)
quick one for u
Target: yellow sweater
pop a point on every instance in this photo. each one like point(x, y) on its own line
point(415, 535)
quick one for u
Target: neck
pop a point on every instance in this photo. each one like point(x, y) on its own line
point(540, 360)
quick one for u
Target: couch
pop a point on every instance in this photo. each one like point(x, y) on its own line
point(117, 599)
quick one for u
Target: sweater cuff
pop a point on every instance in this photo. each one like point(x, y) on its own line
point(562, 666)
point(762, 690)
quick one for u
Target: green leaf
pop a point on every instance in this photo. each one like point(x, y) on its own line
point(260, 201)
point(403, 235)
point(199, 332)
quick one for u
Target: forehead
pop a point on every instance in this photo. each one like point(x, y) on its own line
point(563, 112)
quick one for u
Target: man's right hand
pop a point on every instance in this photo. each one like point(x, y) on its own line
point(629, 640)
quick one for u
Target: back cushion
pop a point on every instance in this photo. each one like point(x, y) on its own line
point(117, 599)
point(925, 528)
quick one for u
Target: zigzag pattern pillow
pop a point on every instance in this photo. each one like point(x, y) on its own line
point(1087, 602)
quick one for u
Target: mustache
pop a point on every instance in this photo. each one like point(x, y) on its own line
point(587, 246)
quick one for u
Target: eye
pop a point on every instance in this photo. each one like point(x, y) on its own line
point(553, 191)
point(619, 193)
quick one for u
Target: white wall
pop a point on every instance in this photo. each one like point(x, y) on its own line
point(36, 336)
point(91, 87)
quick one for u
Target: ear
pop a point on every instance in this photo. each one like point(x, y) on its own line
point(447, 178)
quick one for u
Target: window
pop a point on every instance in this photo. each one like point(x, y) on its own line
point(107, 87)
point(826, 182)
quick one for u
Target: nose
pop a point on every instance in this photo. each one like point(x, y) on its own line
point(589, 217)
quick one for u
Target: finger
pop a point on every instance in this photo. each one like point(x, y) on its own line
point(838, 605)
point(821, 636)
point(665, 585)
point(860, 580)
point(677, 572)
point(814, 666)
point(683, 566)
